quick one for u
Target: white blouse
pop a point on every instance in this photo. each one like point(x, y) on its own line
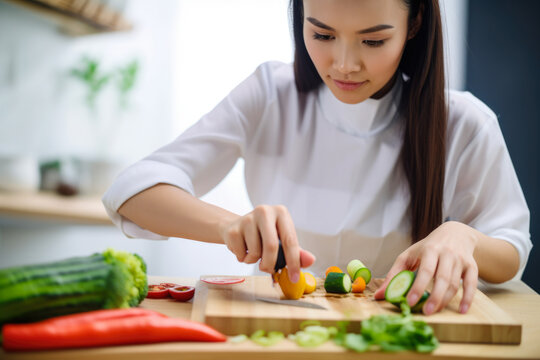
point(336, 167)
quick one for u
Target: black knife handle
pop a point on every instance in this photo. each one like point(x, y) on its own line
point(280, 262)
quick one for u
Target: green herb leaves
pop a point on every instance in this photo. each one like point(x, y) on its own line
point(390, 333)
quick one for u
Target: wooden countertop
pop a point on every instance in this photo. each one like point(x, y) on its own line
point(517, 299)
point(49, 206)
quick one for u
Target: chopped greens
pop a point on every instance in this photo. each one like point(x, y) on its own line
point(272, 338)
point(312, 335)
point(390, 333)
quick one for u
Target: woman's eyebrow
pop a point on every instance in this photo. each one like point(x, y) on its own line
point(364, 31)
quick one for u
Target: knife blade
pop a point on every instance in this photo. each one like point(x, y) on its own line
point(291, 303)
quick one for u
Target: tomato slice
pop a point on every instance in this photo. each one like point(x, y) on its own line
point(169, 285)
point(182, 293)
point(223, 280)
point(157, 292)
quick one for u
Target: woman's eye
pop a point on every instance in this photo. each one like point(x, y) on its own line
point(322, 37)
point(374, 43)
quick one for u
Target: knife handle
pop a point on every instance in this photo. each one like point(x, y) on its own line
point(280, 262)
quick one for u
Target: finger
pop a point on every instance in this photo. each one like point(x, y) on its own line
point(289, 241)
point(440, 284)
point(306, 258)
point(470, 282)
point(253, 241)
point(453, 287)
point(399, 264)
point(270, 242)
point(235, 243)
point(426, 270)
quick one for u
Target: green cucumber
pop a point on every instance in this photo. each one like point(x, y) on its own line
point(420, 304)
point(111, 279)
point(356, 268)
point(338, 283)
point(399, 286)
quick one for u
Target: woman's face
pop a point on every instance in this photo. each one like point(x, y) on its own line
point(356, 45)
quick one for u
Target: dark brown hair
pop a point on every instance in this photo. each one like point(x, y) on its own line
point(422, 106)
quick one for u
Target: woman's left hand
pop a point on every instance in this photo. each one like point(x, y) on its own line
point(446, 256)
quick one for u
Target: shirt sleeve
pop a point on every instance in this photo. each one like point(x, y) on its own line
point(485, 191)
point(198, 159)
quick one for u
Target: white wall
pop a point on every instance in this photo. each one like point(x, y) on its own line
point(192, 54)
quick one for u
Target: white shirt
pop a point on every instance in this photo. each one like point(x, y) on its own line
point(336, 167)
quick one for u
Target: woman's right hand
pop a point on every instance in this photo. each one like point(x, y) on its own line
point(256, 236)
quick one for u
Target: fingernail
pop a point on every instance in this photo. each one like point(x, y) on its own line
point(295, 277)
point(463, 309)
point(428, 309)
point(413, 299)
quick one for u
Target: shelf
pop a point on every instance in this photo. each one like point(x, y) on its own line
point(49, 206)
point(77, 17)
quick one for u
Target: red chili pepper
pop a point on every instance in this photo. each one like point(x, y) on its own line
point(107, 314)
point(139, 329)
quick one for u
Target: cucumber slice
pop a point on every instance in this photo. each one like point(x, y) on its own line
point(363, 272)
point(399, 286)
point(338, 283)
point(356, 268)
point(353, 267)
point(420, 304)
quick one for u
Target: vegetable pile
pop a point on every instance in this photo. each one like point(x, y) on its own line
point(355, 280)
point(112, 279)
point(105, 328)
point(390, 333)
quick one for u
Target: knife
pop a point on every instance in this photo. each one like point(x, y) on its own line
point(280, 262)
point(291, 303)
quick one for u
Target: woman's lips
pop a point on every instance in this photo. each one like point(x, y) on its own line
point(348, 85)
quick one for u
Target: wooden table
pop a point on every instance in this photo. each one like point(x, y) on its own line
point(517, 299)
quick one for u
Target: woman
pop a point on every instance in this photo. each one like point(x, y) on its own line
point(354, 151)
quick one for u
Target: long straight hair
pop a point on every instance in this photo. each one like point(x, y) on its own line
point(422, 106)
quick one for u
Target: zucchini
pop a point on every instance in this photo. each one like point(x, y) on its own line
point(399, 286)
point(356, 268)
point(111, 279)
point(338, 283)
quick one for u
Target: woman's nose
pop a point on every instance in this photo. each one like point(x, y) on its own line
point(346, 60)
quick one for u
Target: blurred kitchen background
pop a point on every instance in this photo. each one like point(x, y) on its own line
point(89, 86)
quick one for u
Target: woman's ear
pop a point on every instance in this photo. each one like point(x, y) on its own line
point(415, 25)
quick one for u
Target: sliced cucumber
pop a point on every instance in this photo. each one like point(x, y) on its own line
point(399, 286)
point(356, 268)
point(338, 283)
point(420, 304)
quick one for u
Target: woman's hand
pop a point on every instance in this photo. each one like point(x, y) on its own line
point(446, 256)
point(256, 236)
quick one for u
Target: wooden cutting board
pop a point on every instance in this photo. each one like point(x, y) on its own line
point(233, 310)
